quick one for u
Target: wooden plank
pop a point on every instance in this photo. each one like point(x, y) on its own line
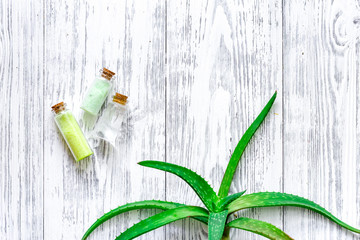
point(127, 37)
point(21, 120)
point(357, 180)
point(320, 82)
point(224, 63)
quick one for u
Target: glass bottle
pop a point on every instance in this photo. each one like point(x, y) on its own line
point(98, 92)
point(109, 124)
point(71, 132)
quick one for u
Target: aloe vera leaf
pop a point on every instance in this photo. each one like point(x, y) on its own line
point(162, 219)
point(227, 200)
point(200, 186)
point(271, 199)
point(259, 227)
point(235, 157)
point(216, 224)
point(226, 234)
point(149, 204)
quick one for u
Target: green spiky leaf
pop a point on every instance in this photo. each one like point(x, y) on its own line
point(162, 219)
point(200, 186)
point(149, 204)
point(219, 205)
point(227, 200)
point(270, 199)
point(217, 224)
point(259, 227)
point(234, 160)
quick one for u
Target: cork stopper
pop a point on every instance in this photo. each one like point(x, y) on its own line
point(58, 107)
point(106, 73)
point(119, 98)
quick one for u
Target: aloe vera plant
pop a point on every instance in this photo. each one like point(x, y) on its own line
point(218, 206)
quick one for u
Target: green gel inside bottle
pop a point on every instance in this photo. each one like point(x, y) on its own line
point(98, 92)
point(71, 132)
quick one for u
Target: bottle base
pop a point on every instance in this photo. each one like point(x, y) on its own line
point(85, 156)
point(87, 111)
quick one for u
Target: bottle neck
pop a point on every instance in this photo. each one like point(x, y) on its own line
point(120, 99)
point(58, 108)
point(106, 73)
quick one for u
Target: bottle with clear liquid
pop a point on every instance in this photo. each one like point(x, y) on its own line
point(109, 124)
point(71, 132)
point(98, 92)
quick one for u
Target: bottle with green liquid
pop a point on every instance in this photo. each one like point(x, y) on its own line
point(71, 132)
point(98, 92)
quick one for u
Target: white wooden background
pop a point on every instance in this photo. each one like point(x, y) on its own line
point(197, 73)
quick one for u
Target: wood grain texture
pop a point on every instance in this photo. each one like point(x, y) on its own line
point(21, 120)
point(224, 63)
point(320, 94)
point(197, 73)
point(128, 38)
